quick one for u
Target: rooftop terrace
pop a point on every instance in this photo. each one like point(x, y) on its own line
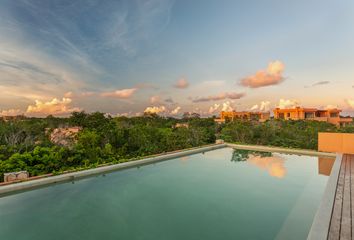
point(333, 220)
point(341, 223)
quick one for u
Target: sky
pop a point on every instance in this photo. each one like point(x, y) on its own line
point(169, 57)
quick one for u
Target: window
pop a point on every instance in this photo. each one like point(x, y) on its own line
point(309, 115)
point(288, 115)
point(333, 114)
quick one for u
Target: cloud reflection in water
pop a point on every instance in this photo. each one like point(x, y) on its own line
point(274, 164)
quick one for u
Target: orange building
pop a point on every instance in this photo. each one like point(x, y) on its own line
point(233, 115)
point(298, 113)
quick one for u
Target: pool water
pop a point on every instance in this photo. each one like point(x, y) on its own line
point(221, 194)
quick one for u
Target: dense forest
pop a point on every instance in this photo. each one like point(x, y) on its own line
point(25, 143)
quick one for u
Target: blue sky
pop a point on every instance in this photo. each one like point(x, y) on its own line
point(127, 57)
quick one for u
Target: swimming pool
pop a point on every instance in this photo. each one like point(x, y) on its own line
point(221, 194)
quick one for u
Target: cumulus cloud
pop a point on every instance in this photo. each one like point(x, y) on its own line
point(157, 110)
point(263, 107)
point(330, 106)
point(350, 102)
point(122, 93)
point(176, 110)
point(227, 106)
point(11, 112)
point(213, 108)
point(221, 96)
point(254, 107)
point(287, 103)
point(181, 83)
point(55, 107)
point(154, 99)
point(271, 76)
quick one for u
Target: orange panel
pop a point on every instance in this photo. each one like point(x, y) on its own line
point(330, 142)
point(336, 142)
point(348, 143)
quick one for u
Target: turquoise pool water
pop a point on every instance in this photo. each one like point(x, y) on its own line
point(221, 194)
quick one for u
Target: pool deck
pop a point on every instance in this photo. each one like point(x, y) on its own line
point(341, 225)
point(334, 217)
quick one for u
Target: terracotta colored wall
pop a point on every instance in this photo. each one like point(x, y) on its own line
point(336, 142)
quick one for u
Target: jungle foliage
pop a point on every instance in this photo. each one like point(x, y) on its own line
point(25, 144)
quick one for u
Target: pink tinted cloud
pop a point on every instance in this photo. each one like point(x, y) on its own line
point(350, 103)
point(288, 103)
point(273, 75)
point(176, 110)
point(54, 107)
point(122, 93)
point(155, 99)
point(154, 109)
point(221, 96)
point(181, 83)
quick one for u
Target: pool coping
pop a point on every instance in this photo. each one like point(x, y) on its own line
point(72, 176)
point(321, 222)
point(281, 150)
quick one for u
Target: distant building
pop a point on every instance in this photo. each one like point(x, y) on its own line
point(299, 113)
point(181, 125)
point(233, 115)
point(12, 118)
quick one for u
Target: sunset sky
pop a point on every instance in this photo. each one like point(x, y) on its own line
point(169, 57)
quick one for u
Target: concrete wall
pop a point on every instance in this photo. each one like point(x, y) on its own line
point(336, 142)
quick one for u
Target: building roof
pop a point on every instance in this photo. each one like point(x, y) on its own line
point(301, 109)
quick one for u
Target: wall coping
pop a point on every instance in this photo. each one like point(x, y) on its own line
point(281, 150)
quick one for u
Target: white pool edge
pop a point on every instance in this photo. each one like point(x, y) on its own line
point(321, 222)
point(281, 150)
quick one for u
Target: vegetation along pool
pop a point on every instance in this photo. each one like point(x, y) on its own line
point(221, 194)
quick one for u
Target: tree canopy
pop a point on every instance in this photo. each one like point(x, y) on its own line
point(25, 142)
